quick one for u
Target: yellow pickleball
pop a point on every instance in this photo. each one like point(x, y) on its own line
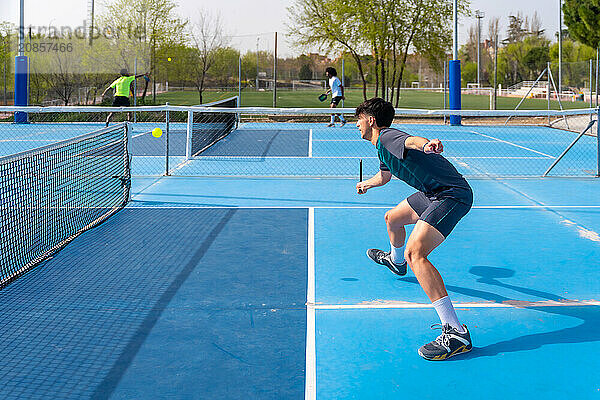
point(157, 132)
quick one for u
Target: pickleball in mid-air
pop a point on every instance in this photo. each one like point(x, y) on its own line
point(157, 132)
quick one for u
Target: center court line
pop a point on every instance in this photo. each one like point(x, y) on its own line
point(391, 304)
point(310, 143)
point(310, 392)
point(512, 144)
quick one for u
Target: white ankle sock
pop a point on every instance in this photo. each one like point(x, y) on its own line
point(397, 254)
point(446, 312)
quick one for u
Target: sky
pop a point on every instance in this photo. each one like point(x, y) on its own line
point(245, 19)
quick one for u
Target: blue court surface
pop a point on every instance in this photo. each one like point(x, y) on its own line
point(251, 286)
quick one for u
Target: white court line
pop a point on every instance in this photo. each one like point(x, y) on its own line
point(443, 140)
point(310, 390)
point(513, 144)
point(337, 140)
point(227, 158)
point(500, 207)
point(407, 305)
point(494, 158)
point(310, 142)
point(30, 140)
point(141, 134)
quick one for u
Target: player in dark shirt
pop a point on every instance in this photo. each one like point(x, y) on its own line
point(442, 199)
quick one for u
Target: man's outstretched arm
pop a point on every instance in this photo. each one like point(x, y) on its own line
point(423, 144)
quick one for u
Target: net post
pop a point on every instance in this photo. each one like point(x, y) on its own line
point(598, 141)
point(127, 186)
point(167, 141)
point(188, 141)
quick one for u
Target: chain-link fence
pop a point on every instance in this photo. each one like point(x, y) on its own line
point(266, 142)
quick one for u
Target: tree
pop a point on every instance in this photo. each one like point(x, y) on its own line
point(207, 37)
point(387, 29)
point(224, 70)
point(537, 58)
point(330, 26)
point(583, 19)
point(469, 72)
point(516, 31)
point(5, 53)
point(575, 58)
point(305, 72)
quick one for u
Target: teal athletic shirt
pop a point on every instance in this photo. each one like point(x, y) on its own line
point(431, 174)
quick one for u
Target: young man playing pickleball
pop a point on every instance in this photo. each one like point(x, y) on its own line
point(442, 199)
point(337, 94)
point(122, 86)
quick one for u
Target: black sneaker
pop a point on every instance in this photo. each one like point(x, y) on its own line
point(385, 258)
point(448, 344)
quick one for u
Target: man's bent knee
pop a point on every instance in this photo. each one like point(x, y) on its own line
point(413, 254)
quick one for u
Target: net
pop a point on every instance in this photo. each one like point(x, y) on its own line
point(300, 143)
point(208, 128)
point(297, 142)
point(50, 195)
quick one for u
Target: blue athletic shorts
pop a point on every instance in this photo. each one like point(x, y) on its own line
point(443, 213)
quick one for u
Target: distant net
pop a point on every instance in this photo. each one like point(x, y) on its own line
point(208, 128)
point(50, 195)
point(299, 142)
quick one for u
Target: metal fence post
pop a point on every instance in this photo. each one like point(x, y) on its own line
point(134, 88)
point(591, 82)
point(548, 92)
point(598, 141)
point(167, 141)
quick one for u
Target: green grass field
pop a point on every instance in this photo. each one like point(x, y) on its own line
point(408, 99)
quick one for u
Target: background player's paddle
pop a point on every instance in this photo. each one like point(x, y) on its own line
point(322, 97)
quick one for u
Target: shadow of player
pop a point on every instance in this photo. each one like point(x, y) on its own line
point(582, 333)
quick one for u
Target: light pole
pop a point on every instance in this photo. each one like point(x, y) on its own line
point(257, 63)
point(479, 14)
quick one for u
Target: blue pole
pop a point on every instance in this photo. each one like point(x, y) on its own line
point(21, 87)
point(454, 86)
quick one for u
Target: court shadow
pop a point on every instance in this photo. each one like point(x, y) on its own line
point(585, 332)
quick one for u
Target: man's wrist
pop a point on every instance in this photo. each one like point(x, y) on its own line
point(423, 148)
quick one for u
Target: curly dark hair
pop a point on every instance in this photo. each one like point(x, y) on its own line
point(381, 110)
point(331, 71)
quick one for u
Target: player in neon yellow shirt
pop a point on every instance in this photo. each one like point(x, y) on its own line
point(122, 86)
